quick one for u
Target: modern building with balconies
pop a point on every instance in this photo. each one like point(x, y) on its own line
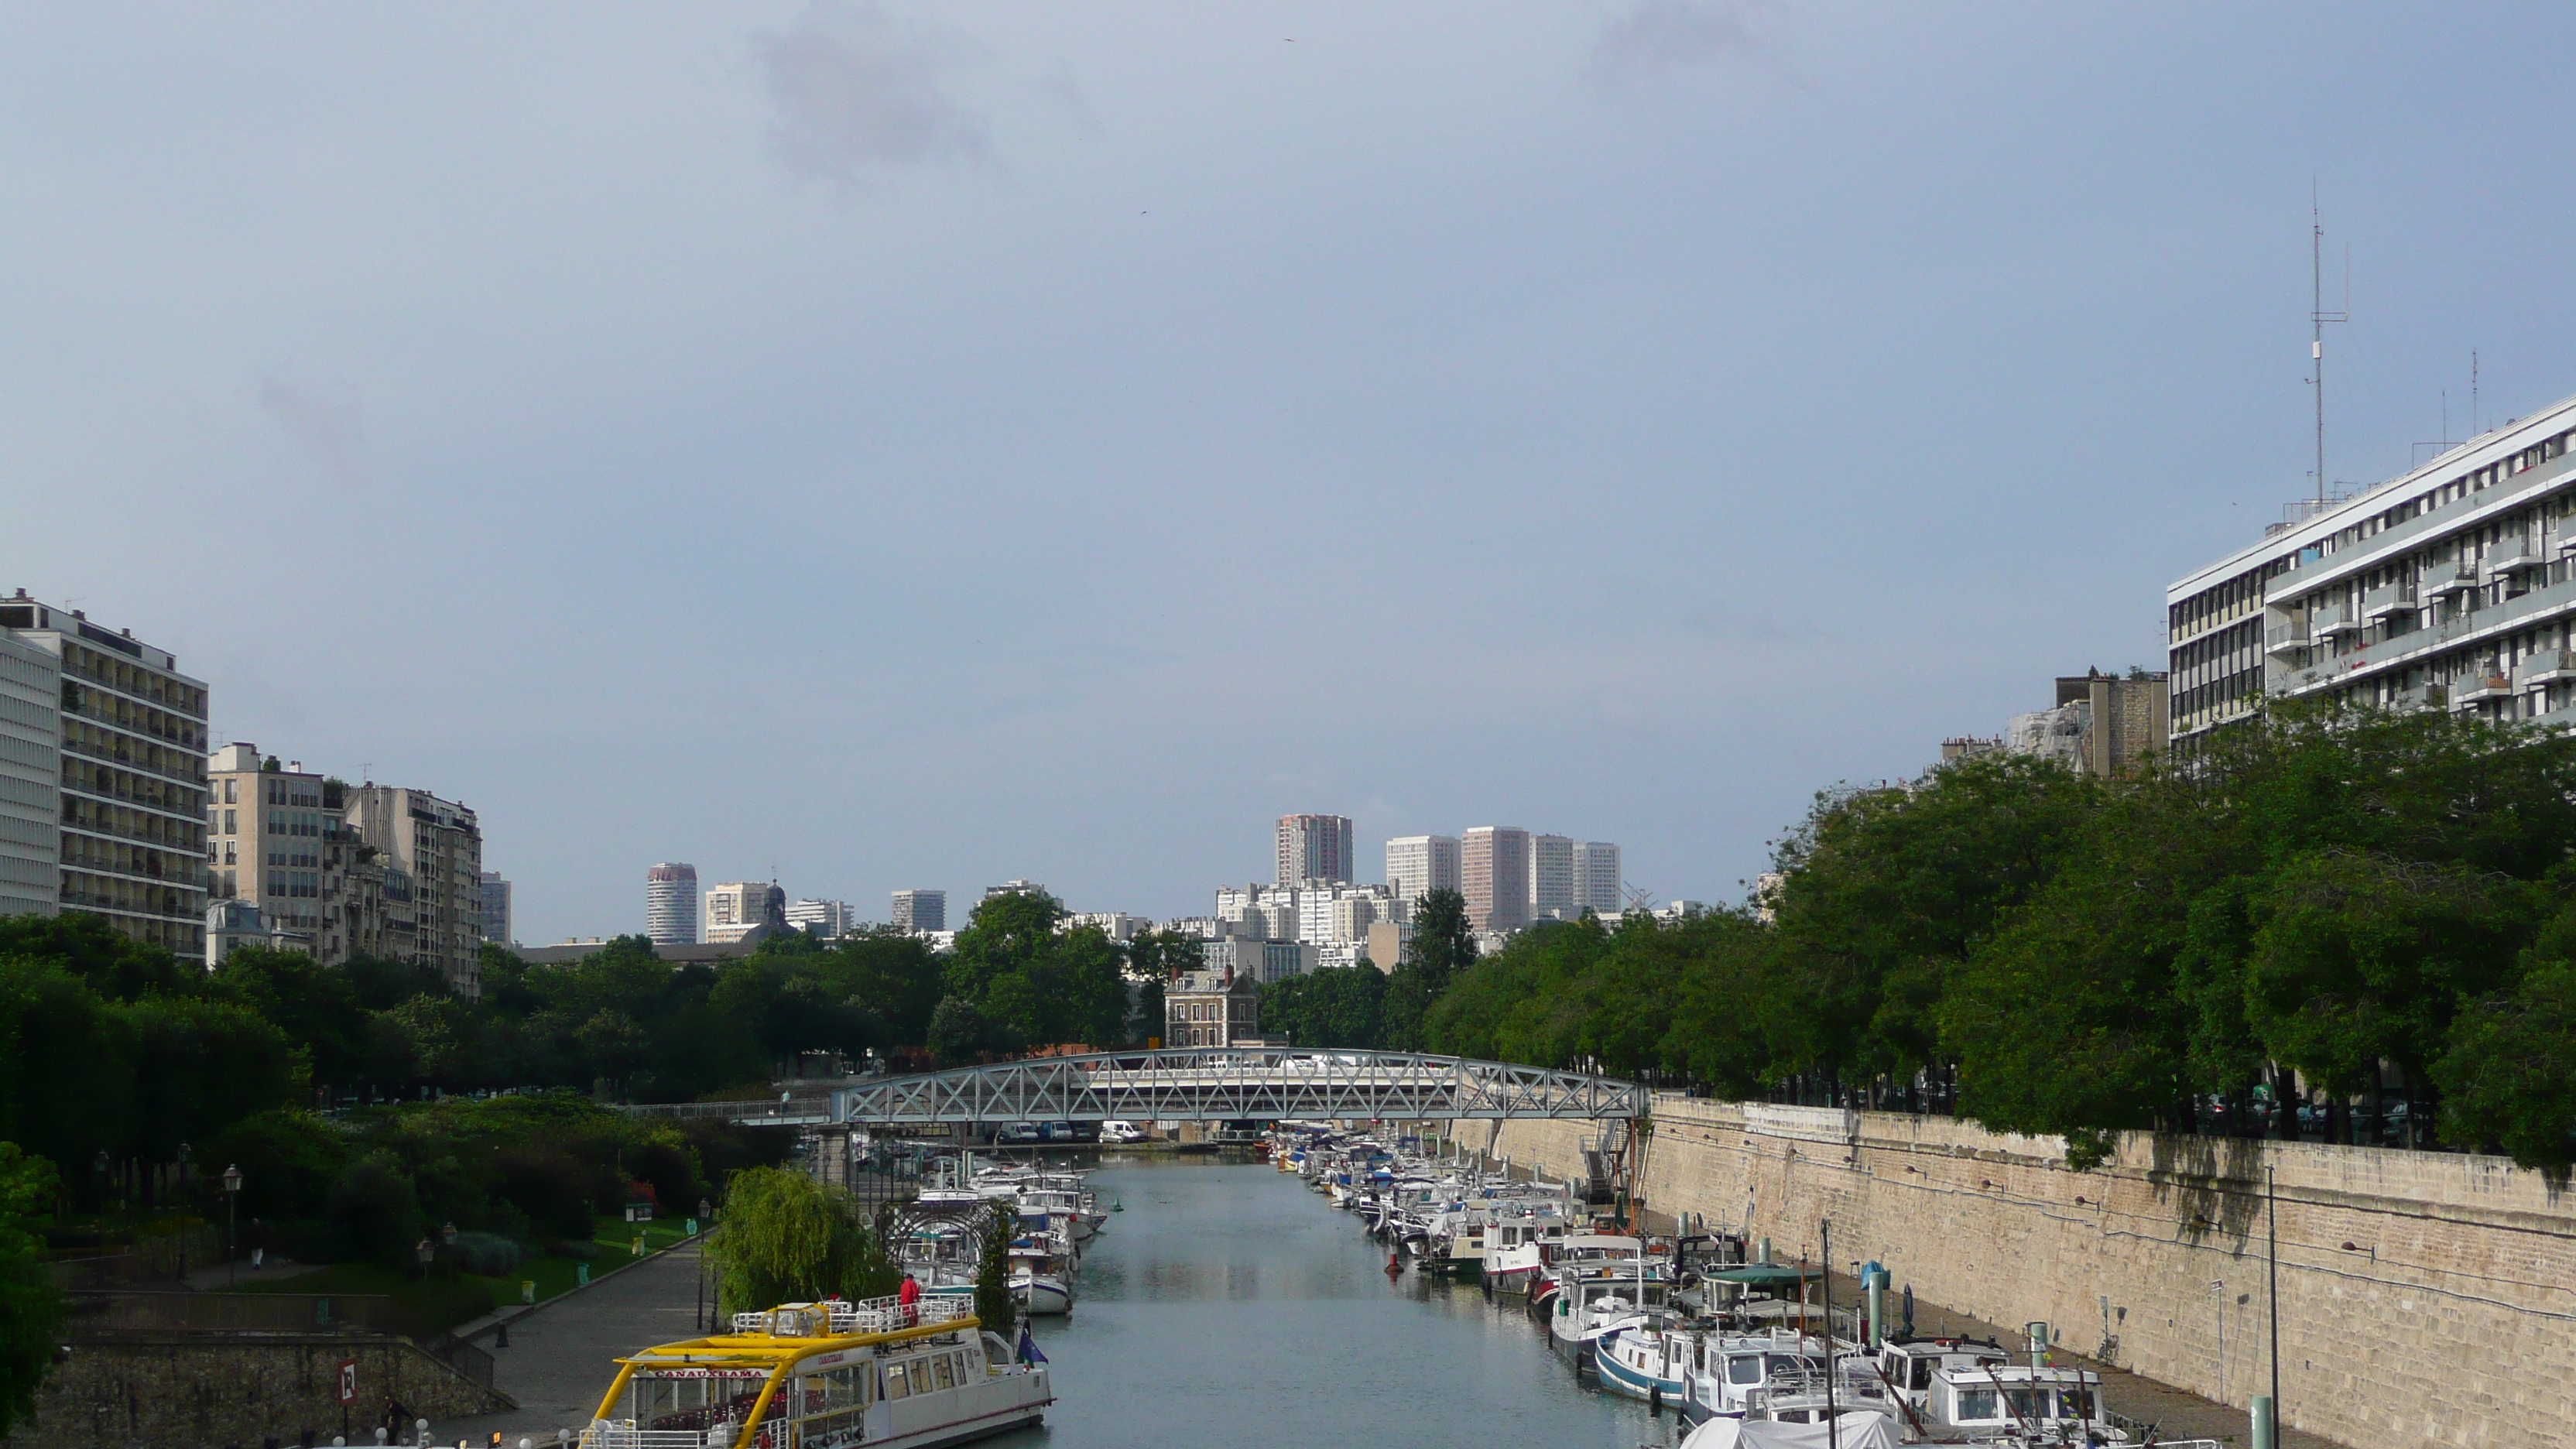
point(2447, 587)
point(131, 791)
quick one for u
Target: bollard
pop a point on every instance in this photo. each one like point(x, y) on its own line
point(2267, 1435)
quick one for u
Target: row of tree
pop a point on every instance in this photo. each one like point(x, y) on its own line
point(2338, 907)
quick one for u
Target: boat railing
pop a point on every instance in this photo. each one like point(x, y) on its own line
point(623, 1434)
point(867, 1315)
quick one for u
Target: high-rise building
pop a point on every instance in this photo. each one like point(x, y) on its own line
point(130, 798)
point(1493, 865)
point(496, 910)
point(1314, 848)
point(439, 844)
point(31, 777)
point(828, 919)
point(671, 903)
point(2445, 588)
point(1417, 864)
point(1551, 878)
point(1597, 878)
point(277, 839)
point(921, 910)
point(737, 908)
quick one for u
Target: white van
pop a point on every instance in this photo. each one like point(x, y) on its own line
point(1114, 1130)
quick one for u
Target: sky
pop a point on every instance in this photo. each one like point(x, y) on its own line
point(897, 445)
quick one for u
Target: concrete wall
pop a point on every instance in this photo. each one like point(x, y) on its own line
point(2450, 1319)
point(176, 1391)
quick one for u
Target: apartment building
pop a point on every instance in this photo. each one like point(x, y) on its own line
point(439, 845)
point(496, 910)
point(31, 778)
point(268, 829)
point(1210, 1008)
point(1597, 878)
point(1259, 961)
point(2445, 588)
point(1551, 878)
point(737, 908)
point(1419, 864)
point(1314, 848)
point(130, 796)
point(920, 910)
point(1493, 869)
point(671, 904)
point(827, 919)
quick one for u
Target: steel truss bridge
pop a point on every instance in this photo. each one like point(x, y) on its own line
point(1221, 1084)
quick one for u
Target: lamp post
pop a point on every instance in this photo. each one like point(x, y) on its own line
point(183, 1212)
point(425, 1250)
point(232, 1222)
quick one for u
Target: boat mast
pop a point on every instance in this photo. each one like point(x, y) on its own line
point(1833, 1421)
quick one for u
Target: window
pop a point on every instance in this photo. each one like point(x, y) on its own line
point(232, 819)
point(1744, 1370)
point(1977, 1404)
point(896, 1387)
point(947, 1373)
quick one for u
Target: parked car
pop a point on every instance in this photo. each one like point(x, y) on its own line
point(1016, 1134)
point(1115, 1131)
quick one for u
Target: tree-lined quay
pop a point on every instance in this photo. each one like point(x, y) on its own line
point(2349, 925)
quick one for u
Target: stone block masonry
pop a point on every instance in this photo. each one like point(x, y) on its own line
point(178, 1391)
point(2426, 1298)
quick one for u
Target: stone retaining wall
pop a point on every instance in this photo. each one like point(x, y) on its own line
point(179, 1391)
point(2426, 1298)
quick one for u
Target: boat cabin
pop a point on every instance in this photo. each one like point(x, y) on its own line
point(1910, 1365)
point(2051, 1401)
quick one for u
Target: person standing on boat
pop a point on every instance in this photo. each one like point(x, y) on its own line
point(908, 1295)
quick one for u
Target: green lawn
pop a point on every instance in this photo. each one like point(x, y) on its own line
point(443, 1301)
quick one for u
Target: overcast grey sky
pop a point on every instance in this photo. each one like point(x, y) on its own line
point(897, 444)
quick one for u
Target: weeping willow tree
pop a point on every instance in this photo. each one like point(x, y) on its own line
point(789, 1239)
point(993, 1306)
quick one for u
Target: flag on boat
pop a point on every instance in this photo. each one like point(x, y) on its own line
point(1029, 1347)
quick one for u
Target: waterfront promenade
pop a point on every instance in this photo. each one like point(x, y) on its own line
point(562, 1356)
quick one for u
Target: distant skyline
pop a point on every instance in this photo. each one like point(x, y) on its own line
point(888, 444)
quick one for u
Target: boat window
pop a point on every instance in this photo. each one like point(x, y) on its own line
point(1923, 1373)
point(2026, 1402)
point(1792, 1416)
point(1745, 1370)
point(2075, 1403)
point(1977, 1404)
point(947, 1374)
point(896, 1386)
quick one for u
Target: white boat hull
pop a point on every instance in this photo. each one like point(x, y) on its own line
point(1040, 1295)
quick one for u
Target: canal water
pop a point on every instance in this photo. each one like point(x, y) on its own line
point(1228, 1305)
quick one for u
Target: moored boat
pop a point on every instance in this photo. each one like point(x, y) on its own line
point(824, 1376)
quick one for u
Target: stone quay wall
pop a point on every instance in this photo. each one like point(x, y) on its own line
point(191, 1390)
point(2426, 1298)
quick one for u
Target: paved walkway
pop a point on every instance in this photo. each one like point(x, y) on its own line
point(562, 1354)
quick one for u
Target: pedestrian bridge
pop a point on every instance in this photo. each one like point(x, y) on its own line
point(1220, 1084)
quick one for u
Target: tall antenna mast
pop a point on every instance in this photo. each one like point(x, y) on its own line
point(2318, 317)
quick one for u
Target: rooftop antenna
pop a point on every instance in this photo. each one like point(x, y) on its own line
point(2474, 429)
point(2318, 317)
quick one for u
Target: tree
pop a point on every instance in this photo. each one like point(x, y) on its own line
point(956, 1032)
point(786, 1238)
point(2509, 1076)
point(31, 1311)
point(1335, 1007)
point(1444, 940)
point(994, 1308)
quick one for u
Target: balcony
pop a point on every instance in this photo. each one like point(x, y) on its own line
point(2388, 602)
point(2336, 622)
point(2284, 640)
point(2422, 696)
point(2444, 581)
point(2473, 689)
point(2518, 552)
point(2549, 666)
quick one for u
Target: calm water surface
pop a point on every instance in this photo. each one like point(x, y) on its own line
point(1228, 1305)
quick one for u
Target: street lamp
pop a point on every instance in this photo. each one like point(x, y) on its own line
point(183, 1212)
point(426, 1251)
point(232, 1221)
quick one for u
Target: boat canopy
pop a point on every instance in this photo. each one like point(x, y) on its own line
point(1764, 1274)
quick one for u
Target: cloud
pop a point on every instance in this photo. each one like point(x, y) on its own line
point(333, 432)
point(857, 89)
point(1655, 36)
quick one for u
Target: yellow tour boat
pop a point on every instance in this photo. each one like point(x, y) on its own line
point(826, 1376)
